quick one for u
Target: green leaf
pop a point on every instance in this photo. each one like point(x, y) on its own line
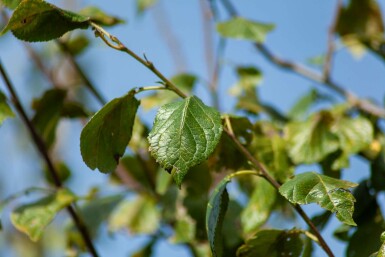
point(31, 219)
point(63, 173)
point(312, 140)
point(331, 194)
point(301, 108)
point(185, 229)
point(78, 44)
point(260, 205)
point(142, 5)
point(249, 78)
point(37, 20)
point(139, 216)
point(11, 4)
point(48, 111)
point(5, 110)
point(354, 134)
point(184, 134)
point(273, 243)
point(100, 17)
point(241, 28)
point(105, 137)
point(215, 214)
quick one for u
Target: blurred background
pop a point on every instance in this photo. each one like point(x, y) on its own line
point(172, 35)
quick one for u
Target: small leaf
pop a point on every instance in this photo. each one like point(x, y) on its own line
point(31, 219)
point(139, 216)
point(5, 110)
point(184, 134)
point(37, 20)
point(273, 243)
point(78, 44)
point(142, 5)
point(11, 4)
point(185, 229)
point(331, 194)
point(312, 140)
point(100, 17)
point(249, 78)
point(259, 207)
point(215, 214)
point(302, 107)
point(105, 137)
point(240, 28)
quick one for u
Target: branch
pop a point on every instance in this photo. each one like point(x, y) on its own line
point(362, 104)
point(63, 46)
point(42, 148)
point(331, 45)
point(116, 44)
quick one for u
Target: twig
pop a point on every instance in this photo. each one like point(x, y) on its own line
point(117, 45)
point(40, 145)
point(80, 71)
point(362, 104)
point(331, 45)
point(163, 24)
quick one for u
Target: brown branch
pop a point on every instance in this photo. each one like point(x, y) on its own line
point(63, 46)
point(42, 148)
point(362, 104)
point(164, 27)
point(331, 45)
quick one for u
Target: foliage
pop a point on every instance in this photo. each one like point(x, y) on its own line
point(258, 151)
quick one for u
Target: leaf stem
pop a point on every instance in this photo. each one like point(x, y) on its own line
point(149, 88)
point(115, 43)
point(42, 148)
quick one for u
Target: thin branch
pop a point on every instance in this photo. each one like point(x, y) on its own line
point(164, 27)
point(80, 71)
point(117, 45)
point(42, 148)
point(362, 104)
point(331, 45)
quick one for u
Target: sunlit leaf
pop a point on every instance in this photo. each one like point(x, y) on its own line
point(273, 243)
point(258, 210)
point(331, 194)
point(312, 140)
point(139, 216)
point(31, 219)
point(37, 20)
point(215, 214)
point(142, 5)
point(241, 28)
point(185, 229)
point(184, 134)
point(100, 17)
point(249, 78)
point(5, 110)
point(105, 137)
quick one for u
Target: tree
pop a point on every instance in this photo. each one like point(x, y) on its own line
point(171, 179)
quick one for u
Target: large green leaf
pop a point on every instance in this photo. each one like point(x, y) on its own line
point(273, 243)
point(241, 28)
point(105, 137)
point(31, 219)
point(184, 134)
point(140, 215)
point(259, 207)
point(215, 214)
point(5, 110)
point(331, 194)
point(312, 140)
point(37, 20)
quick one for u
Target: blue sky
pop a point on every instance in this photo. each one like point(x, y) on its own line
point(301, 33)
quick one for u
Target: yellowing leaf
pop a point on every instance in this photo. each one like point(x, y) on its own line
point(31, 219)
